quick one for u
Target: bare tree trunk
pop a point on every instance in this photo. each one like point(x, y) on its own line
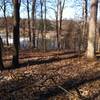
point(29, 28)
point(1, 61)
point(45, 28)
point(6, 23)
point(57, 26)
point(92, 29)
point(59, 12)
point(84, 35)
point(16, 32)
point(60, 21)
point(41, 22)
point(61, 8)
point(33, 21)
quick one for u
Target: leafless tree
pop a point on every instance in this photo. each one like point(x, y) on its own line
point(16, 18)
point(57, 25)
point(92, 29)
point(45, 28)
point(33, 20)
point(29, 28)
point(1, 61)
point(59, 15)
point(4, 9)
point(61, 8)
point(41, 22)
point(84, 15)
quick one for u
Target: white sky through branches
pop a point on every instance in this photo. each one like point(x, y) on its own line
point(72, 10)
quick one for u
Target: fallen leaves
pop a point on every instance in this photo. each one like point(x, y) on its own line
point(34, 81)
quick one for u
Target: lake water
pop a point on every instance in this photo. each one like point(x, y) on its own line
point(24, 42)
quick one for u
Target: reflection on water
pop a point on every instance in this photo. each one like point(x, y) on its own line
point(24, 43)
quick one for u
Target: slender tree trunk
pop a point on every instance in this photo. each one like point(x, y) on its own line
point(1, 61)
point(57, 31)
point(59, 12)
point(84, 35)
point(60, 21)
point(33, 21)
point(16, 32)
point(57, 26)
point(41, 22)
point(45, 27)
point(92, 29)
point(6, 31)
point(61, 8)
point(6, 23)
point(29, 28)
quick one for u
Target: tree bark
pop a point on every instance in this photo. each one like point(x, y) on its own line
point(45, 22)
point(57, 26)
point(61, 8)
point(1, 61)
point(6, 23)
point(29, 28)
point(33, 21)
point(84, 33)
point(59, 15)
point(16, 32)
point(92, 30)
point(41, 23)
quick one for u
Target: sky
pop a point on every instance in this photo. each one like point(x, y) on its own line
point(72, 10)
point(69, 10)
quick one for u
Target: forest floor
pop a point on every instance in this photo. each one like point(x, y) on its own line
point(51, 76)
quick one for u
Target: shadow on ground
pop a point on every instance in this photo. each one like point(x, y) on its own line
point(55, 58)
